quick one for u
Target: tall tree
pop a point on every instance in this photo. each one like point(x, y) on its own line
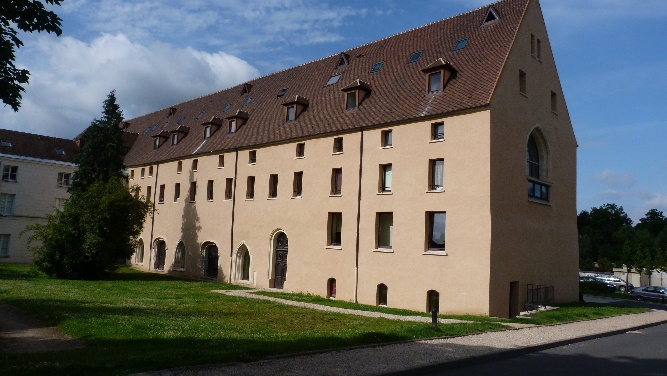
point(599, 240)
point(102, 149)
point(15, 16)
point(654, 222)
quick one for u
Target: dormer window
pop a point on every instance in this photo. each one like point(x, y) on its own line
point(439, 73)
point(355, 93)
point(156, 143)
point(343, 60)
point(237, 120)
point(5, 143)
point(294, 107)
point(207, 131)
point(60, 151)
point(211, 126)
point(174, 138)
point(159, 139)
point(246, 88)
point(178, 134)
point(491, 16)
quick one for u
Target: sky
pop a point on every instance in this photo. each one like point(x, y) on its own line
point(611, 57)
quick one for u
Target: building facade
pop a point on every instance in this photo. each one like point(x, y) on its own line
point(433, 169)
point(36, 172)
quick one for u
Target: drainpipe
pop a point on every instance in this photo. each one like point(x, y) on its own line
point(231, 231)
point(356, 261)
point(150, 253)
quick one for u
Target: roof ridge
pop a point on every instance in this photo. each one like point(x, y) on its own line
point(36, 135)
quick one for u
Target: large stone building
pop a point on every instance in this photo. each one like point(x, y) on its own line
point(435, 168)
point(36, 171)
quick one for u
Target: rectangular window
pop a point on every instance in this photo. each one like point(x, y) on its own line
point(351, 100)
point(143, 172)
point(59, 203)
point(297, 184)
point(252, 157)
point(436, 174)
point(250, 188)
point(179, 167)
point(207, 131)
point(156, 143)
point(7, 204)
point(435, 82)
point(522, 82)
point(174, 138)
point(9, 173)
point(160, 198)
point(64, 178)
point(291, 113)
point(232, 126)
point(148, 193)
point(538, 190)
point(538, 47)
point(273, 186)
point(221, 161)
point(436, 230)
point(4, 245)
point(438, 131)
point(228, 188)
point(532, 45)
point(195, 164)
point(387, 139)
point(336, 181)
point(131, 174)
point(335, 223)
point(177, 192)
point(385, 178)
point(554, 102)
point(338, 145)
point(193, 191)
point(385, 230)
point(209, 190)
point(300, 150)
point(150, 171)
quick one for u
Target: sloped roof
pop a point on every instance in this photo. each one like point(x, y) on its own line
point(398, 88)
point(36, 146)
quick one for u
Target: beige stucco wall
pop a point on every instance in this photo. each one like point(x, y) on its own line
point(36, 190)
point(532, 242)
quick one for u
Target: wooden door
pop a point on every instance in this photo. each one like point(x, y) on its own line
point(280, 275)
point(212, 261)
point(160, 255)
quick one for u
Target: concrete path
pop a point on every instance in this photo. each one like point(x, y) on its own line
point(21, 333)
point(415, 358)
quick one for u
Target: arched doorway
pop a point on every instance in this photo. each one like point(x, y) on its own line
point(331, 288)
point(210, 261)
point(433, 301)
point(280, 275)
point(160, 254)
point(242, 264)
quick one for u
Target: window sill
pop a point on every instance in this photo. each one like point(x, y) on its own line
point(554, 112)
point(160, 202)
point(387, 147)
point(333, 247)
point(524, 94)
point(539, 201)
point(335, 195)
point(9, 181)
point(209, 200)
point(387, 193)
point(437, 140)
point(436, 190)
point(252, 163)
point(384, 250)
point(295, 197)
point(337, 153)
point(272, 198)
point(299, 157)
point(435, 253)
point(178, 172)
point(250, 199)
point(219, 168)
point(192, 202)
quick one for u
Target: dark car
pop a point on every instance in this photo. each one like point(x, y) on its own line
point(595, 285)
point(651, 293)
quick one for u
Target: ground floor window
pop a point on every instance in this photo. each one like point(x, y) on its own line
point(179, 256)
point(139, 253)
point(331, 288)
point(382, 294)
point(4, 245)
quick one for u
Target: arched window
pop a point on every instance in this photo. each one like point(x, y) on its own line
point(536, 167)
point(245, 266)
point(433, 301)
point(331, 288)
point(382, 294)
point(139, 253)
point(179, 256)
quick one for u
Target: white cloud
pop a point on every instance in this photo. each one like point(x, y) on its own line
point(70, 79)
point(615, 179)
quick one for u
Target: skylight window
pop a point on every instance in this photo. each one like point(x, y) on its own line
point(60, 151)
point(460, 44)
point(247, 101)
point(227, 107)
point(6, 143)
point(200, 115)
point(333, 79)
point(163, 127)
point(490, 17)
point(282, 92)
point(148, 129)
point(415, 57)
point(377, 66)
point(180, 120)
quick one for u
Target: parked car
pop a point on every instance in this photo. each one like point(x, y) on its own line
point(621, 285)
point(594, 284)
point(651, 293)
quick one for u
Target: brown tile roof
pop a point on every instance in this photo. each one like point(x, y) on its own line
point(36, 146)
point(398, 88)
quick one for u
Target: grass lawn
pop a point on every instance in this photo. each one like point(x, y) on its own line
point(137, 322)
point(566, 313)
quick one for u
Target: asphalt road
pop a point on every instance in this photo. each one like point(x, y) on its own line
point(642, 352)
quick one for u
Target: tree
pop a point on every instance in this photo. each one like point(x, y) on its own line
point(102, 149)
point(102, 219)
point(96, 228)
point(27, 16)
point(653, 221)
point(599, 240)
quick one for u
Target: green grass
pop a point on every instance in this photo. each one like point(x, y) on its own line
point(138, 322)
point(581, 311)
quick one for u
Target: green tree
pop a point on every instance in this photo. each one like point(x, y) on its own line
point(599, 240)
point(15, 16)
point(102, 149)
point(654, 222)
point(96, 228)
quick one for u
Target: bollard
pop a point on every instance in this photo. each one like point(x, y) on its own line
point(434, 318)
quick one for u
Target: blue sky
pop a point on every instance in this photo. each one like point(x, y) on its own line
point(611, 56)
